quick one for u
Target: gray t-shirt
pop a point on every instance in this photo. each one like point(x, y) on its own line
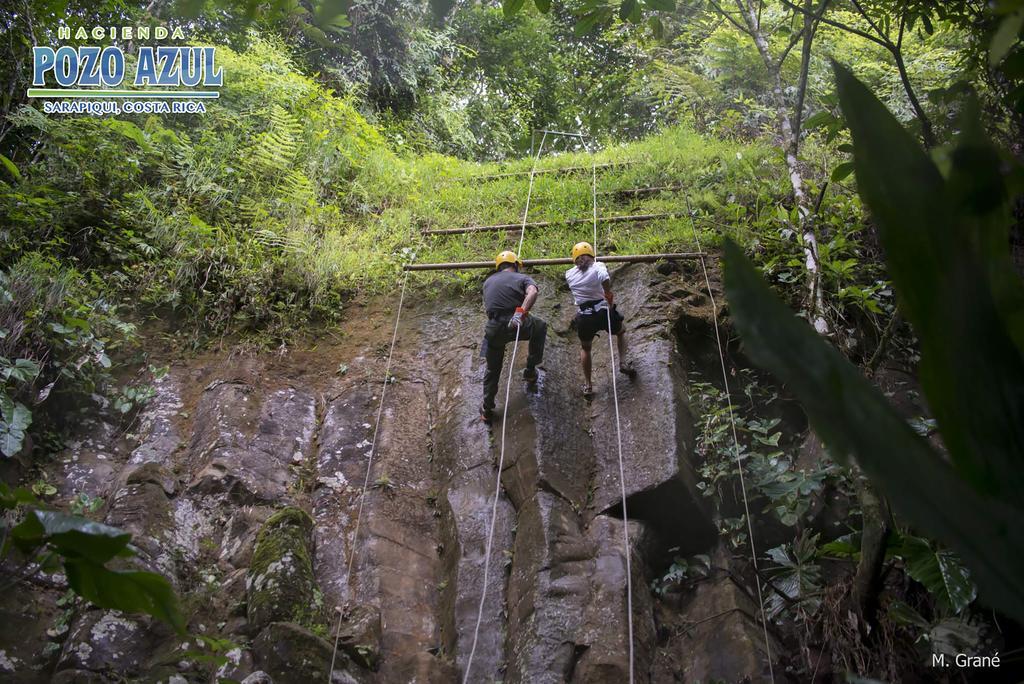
point(505, 290)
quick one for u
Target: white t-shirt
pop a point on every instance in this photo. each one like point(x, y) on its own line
point(587, 285)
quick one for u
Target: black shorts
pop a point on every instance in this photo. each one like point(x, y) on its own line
point(589, 324)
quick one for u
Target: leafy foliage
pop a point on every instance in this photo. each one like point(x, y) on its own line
point(971, 504)
point(768, 458)
point(796, 579)
point(49, 539)
point(940, 571)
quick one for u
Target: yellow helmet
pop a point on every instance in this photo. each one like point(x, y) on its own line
point(581, 248)
point(507, 257)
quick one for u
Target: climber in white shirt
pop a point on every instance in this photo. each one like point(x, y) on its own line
point(595, 304)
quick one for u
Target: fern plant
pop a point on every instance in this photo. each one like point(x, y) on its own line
point(275, 149)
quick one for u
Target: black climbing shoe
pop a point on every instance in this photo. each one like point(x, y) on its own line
point(486, 415)
point(530, 374)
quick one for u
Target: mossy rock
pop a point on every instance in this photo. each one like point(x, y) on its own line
point(279, 585)
point(291, 654)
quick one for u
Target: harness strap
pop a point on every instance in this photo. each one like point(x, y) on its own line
point(590, 307)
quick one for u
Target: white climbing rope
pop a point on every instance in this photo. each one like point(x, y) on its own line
point(618, 438)
point(504, 422)
point(369, 465)
point(529, 194)
point(736, 445)
point(494, 512)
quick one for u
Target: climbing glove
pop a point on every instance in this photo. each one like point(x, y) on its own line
point(517, 317)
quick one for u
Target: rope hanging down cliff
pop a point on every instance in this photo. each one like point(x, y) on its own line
point(501, 453)
point(736, 445)
point(618, 439)
point(369, 467)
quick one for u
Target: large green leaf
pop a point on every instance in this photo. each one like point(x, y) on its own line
point(22, 370)
point(12, 498)
point(133, 592)
point(841, 172)
point(853, 419)
point(1006, 36)
point(15, 419)
point(11, 168)
point(971, 369)
point(589, 20)
point(512, 7)
point(941, 573)
point(796, 575)
point(130, 131)
point(330, 14)
point(977, 185)
point(76, 537)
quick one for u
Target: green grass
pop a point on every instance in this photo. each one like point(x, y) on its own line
point(281, 202)
point(406, 195)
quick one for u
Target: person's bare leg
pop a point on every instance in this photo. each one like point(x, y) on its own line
point(625, 363)
point(586, 361)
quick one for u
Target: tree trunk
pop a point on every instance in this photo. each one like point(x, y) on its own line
point(927, 133)
point(874, 536)
point(791, 147)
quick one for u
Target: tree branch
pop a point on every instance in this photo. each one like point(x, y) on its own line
point(793, 40)
point(871, 22)
point(844, 27)
point(721, 11)
point(887, 334)
point(746, 12)
point(810, 30)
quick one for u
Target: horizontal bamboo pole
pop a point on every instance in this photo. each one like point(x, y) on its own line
point(614, 258)
point(565, 169)
point(568, 135)
point(642, 191)
point(544, 224)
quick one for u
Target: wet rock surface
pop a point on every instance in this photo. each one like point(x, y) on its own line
point(713, 633)
point(291, 654)
point(279, 584)
point(245, 488)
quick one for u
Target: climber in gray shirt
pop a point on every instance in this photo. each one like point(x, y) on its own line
point(508, 297)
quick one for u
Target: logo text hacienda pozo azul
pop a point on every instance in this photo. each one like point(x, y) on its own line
point(92, 79)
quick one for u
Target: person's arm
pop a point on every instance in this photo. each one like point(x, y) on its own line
point(522, 311)
point(531, 297)
point(608, 296)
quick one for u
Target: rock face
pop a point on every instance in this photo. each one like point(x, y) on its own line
point(245, 448)
point(246, 488)
point(280, 585)
point(713, 633)
point(291, 654)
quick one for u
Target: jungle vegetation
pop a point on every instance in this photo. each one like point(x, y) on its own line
point(860, 157)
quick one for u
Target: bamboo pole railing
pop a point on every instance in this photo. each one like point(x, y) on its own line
point(643, 191)
point(564, 169)
point(612, 258)
point(544, 224)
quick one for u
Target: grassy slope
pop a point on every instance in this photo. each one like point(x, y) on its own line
point(269, 210)
point(430, 192)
